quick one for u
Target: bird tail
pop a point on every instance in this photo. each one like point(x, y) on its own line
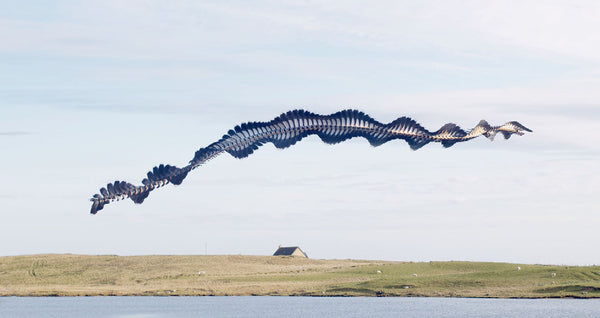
point(158, 177)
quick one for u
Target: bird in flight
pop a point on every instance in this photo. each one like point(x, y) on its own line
point(291, 127)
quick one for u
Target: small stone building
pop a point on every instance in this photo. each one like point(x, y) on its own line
point(290, 251)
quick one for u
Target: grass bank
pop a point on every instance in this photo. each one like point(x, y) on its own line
point(85, 275)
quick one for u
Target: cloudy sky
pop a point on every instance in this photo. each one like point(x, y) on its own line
point(97, 91)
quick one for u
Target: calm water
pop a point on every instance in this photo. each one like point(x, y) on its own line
point(138, 307)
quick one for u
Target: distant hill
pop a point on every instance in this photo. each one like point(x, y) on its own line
point(78, 275)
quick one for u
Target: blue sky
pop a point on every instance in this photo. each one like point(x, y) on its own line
point(91, 92)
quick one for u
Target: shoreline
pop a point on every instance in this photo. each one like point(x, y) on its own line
point(307, 296)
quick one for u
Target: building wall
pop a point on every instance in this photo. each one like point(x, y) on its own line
point(297, 252)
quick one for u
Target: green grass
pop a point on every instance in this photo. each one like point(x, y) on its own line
point(471, 279)
point(77, 275)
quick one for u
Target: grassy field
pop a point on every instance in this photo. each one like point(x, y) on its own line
point(79, 275)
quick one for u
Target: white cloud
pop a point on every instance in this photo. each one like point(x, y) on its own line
point(558, 29)
point(207, 66)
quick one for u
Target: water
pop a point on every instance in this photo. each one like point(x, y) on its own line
point(155, 307)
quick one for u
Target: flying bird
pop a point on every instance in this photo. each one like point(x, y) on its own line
point(291, 127)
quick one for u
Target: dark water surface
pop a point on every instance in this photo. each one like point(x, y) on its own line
point(248, 306)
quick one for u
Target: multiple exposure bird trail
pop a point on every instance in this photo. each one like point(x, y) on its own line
point(291, 127)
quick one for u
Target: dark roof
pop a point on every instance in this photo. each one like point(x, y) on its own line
point(288, 250)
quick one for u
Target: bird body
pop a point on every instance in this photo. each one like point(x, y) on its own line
point(289, 128)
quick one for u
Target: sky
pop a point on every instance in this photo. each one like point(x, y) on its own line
point(97, 91)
